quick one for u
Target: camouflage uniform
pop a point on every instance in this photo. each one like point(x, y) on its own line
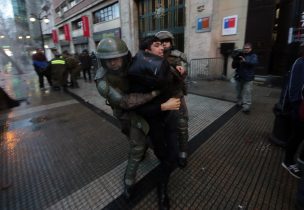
point(177, 58)
point(114, 87)
point(73, 68)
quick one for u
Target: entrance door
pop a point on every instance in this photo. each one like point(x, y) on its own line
point(259, 29)
point(157, 15)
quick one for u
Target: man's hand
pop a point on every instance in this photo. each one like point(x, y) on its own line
point(171, 104)
point(180, 69)
point(242, 59)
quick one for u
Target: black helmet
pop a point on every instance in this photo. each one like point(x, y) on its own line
point(111, 48)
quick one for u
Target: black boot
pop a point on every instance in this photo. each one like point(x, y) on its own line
point(128, 191)
point(182, 162)
point(163, 198)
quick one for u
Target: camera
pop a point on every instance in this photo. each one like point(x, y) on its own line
point(237, 53)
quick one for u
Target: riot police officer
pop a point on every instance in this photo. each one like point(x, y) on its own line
point(178, 61)
point(112, 83)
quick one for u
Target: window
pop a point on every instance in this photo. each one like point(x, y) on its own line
point(107, 13)
point(72, 3)
point(77, 24)
point(64, 7)
point(58, 12)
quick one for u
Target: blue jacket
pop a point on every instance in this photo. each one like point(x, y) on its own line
point(296, 81)
point(246, 70)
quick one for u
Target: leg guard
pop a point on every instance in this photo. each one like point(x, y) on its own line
point(137, 149)
point(183, 129)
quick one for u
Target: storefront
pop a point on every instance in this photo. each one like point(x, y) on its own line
point(80, 43)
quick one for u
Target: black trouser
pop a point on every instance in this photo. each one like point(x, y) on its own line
point(86, 70)
point(41, 74)
point(163, 134)
point(296, 138)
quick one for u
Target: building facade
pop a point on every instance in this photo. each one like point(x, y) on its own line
point(206, 30)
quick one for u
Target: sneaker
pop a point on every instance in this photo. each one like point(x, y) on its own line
point(293, 170)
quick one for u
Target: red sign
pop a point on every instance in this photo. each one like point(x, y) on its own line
point(54, 36)
point(67, 34)
point(85, 26)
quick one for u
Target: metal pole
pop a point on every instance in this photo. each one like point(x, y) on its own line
point(41, 34)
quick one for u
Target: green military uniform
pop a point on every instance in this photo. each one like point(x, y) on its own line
point(73, 68)
point(113, 85)
point(177, 58)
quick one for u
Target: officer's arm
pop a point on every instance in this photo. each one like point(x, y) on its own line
point(124, 101)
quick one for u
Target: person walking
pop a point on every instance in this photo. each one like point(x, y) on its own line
point(245, 64)
point(178, 61)
point(40, 64)
point(295, 95)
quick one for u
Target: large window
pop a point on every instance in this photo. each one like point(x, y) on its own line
point(107, 13)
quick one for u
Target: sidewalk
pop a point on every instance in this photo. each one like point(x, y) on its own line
point(232, 164)
point(72, 157)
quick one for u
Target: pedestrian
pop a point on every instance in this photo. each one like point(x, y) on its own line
point(178, 61)
point(57, 67)
point(295, 94)
point(72, 69)
point(40, 64)
point(86, 63)
point(245, 63)
point(150, 71)
point(112, 83)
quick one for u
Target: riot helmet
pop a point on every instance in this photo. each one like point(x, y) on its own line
point(113, 48)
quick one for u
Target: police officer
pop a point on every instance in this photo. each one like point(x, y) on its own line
point(112, 83)
point(73, 68)
point(178, 61)
point(57, 67)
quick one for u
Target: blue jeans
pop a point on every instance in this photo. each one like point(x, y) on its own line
point(244, 92)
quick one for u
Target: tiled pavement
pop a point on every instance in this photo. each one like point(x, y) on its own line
point(66, 157)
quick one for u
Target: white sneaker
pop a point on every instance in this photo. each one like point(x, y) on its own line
point(293, 170)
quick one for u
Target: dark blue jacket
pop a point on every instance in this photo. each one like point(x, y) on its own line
point(246, 70)
point(296, 81)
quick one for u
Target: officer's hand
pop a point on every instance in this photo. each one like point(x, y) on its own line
point(171, 104)
point(180, 69)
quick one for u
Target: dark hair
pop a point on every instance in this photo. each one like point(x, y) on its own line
point(146, 43)
point(248, 44)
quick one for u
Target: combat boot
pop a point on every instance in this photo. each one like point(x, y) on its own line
point(128, 191)
point(182, 162)
point(163, 198)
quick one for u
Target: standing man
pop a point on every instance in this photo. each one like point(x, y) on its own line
point(295, 94)
point(178, 61)
point(244, 64)
point(86, 63)
point(113, 85)
point(72, 68)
